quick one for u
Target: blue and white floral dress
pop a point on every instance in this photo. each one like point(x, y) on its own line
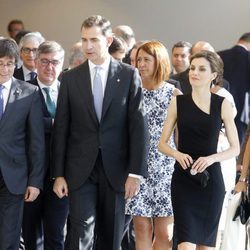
point(154, 198)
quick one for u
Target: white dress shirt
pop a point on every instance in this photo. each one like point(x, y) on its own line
point(6, 92)
point(54, 90)
point(26, 73)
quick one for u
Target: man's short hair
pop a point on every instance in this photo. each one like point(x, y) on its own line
point(182, 44)
point(98, 21)
point(32, 36)
point(124, 31)
point(15, 21)
point(76, 53)
point(9, 48)
point(50, 47)
point(245, 37)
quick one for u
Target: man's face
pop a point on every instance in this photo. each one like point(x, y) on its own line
point(180, 59)
point(119, 55)
point(49, 66)
point(133, 57)
point(28, 54)
point(14, 29)
point(95, 44)
point(7, 66)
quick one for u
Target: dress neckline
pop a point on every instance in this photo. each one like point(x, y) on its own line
point(209, 113)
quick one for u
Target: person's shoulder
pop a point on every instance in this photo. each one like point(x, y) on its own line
point(218, 99)
point(121, 65)
point(24, 87)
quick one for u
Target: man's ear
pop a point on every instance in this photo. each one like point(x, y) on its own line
point(109, 40)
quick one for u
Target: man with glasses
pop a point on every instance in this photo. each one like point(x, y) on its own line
point(22, 147)
point(28, 48)
point(45, 218)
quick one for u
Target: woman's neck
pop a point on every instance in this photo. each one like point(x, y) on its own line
point(151, 85)
point(202, 94)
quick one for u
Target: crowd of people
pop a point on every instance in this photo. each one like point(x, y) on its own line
point(127, 148)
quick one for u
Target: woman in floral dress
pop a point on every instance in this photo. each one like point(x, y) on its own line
point(151, 208)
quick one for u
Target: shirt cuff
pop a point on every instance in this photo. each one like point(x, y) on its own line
point(135, 176)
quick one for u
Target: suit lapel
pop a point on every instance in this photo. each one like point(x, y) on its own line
point(111, 85)
point(84, 86)
point(15, 91)
point(43, 101)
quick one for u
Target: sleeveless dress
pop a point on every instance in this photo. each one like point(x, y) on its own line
point(154, 197)
point(196, 209)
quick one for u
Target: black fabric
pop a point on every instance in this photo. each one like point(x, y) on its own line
point(243, 210)
point(196, 209)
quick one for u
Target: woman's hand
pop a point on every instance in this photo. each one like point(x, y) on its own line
point(202, 163)
point(240, 187)
point(184, 160)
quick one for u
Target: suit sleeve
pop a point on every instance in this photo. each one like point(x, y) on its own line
point(36, 143)
point(60, 133)
point(138, 131)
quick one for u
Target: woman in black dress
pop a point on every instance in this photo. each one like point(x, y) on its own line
point(199, 117)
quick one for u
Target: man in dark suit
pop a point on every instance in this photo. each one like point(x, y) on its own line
point(45, 218)
point(28, 48)
point(22, 148)
point(237, 72)
point(100, 140)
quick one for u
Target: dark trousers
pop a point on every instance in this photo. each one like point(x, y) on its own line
point(11, 211)
point(96, 214)
point(44, 221)
point(128, 241)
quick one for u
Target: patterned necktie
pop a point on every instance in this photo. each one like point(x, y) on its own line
point(49, 102)
point(98, 93)
point(1, 101)
point(32, 75)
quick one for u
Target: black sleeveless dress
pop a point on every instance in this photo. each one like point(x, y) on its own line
point(196, 209)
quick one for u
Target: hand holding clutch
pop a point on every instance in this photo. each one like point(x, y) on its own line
point(199, 178)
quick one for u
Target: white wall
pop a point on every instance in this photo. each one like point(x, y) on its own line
point(220, 22)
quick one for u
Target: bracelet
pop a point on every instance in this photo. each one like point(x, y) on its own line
point(243, 180)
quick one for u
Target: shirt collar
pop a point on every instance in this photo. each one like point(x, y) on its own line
point(27, 71)
point(7, 84)
point(104, 66)
point(243, 46)
point(53, 86)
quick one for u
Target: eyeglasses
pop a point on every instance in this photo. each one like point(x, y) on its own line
point(28, 50)
point(46, 62)
point(9, 65)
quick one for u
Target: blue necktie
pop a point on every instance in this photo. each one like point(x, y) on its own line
point(1, 101)
point(98, 93)
point(50, 103)
point(32, 75)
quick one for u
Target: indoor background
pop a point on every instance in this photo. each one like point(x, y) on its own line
point(220, 22)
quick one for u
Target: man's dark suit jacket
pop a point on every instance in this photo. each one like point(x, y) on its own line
point(48, 127)
point(121, 135)
point(237, 72)
point(18, 74)
point(186, 88)
point(22, 150)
